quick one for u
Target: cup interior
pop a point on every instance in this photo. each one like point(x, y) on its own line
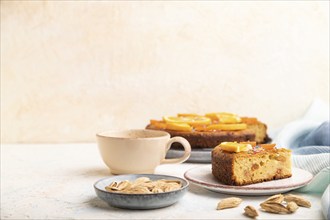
point(133, 134)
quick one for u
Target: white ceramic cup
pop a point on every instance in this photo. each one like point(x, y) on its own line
point(138, 151)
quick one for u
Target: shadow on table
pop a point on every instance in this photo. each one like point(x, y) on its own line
point(200, 191)
point(99, 204)
point(93, 172)
point(197, 190)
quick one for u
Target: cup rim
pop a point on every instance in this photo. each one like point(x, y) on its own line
point(162, 134)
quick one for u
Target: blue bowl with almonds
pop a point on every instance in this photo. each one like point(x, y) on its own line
point(141, 191)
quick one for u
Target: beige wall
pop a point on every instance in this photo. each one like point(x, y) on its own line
point(69, 69)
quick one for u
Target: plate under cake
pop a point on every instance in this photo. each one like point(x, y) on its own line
point(202, 176)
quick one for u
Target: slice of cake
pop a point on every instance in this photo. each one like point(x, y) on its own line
point(247, 163)
point(258, 128)
point(207, 131)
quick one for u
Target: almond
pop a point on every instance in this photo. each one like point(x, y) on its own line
point(292, 207)
point(275, 198)
point(274, 207)
point(299, 200)
point(250, 211)
point(229, 203)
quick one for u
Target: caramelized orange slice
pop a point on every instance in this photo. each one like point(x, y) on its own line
point(235, 147)
point(200, 128)
point(267, 146)
point(192, 120)
point(158, 124)
point(249, 120)
point(224, 117)
point(252, 143)
point(178, 126)
point(232, 119)
point(212, 116)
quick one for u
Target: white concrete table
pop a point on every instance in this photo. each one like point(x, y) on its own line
point(49, 181)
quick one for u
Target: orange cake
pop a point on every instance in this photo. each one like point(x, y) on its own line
point(247, 163)
point(207, 131)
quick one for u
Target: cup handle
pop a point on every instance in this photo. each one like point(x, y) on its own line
point(187, 150)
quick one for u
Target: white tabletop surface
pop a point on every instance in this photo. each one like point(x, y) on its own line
point(48, 181)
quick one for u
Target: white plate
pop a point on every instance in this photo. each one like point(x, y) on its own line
point(202, 176)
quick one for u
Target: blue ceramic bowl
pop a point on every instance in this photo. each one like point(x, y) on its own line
point(139, 201)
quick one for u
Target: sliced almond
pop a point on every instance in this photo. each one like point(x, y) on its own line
point(157, 190)
point(144, 185)
point(112, 186)
point(141, 180)
point(123, 185)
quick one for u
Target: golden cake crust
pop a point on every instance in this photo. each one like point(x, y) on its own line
point(209, 139)
point(260, 131)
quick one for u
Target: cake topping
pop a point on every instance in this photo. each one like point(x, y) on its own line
point(235, 147)
point(263, 147)
point(257, 149)
point(224, 117)
point(179, 126)
point(250, 147)
point(191, 120)
point(219, 121)
point(268, 146)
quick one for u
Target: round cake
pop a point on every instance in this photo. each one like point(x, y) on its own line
point(211, 129)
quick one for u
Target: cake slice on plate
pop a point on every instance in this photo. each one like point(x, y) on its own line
point(247, 163)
